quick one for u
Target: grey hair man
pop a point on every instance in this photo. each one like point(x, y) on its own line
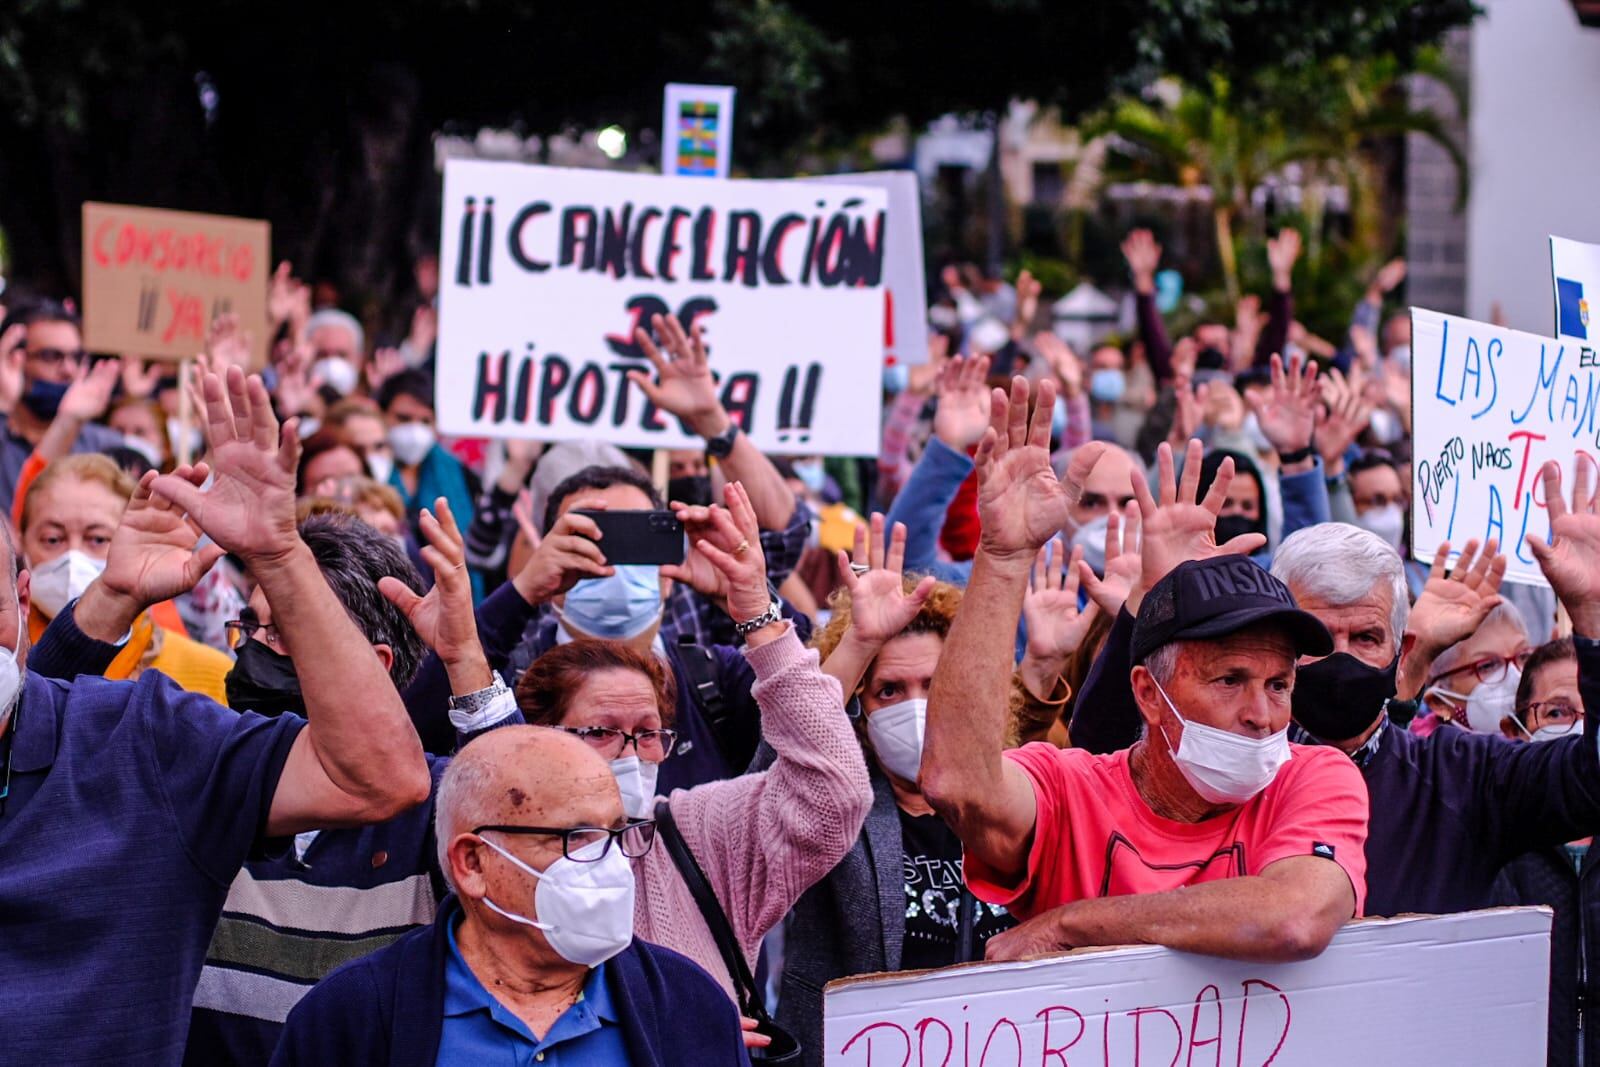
point(1450, 809)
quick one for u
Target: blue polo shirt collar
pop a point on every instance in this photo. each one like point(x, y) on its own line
point(464, 994)
point(37, 724)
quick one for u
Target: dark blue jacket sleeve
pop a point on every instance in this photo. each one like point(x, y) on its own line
point(64, 651)
point(501, 618)
point(922, 505)
point(1305, 498)
point(1540, 795)
point(342, 1020)
point(1104, 716)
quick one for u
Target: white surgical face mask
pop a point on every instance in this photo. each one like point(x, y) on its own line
point(1557, 732)
point(1485, 707)
point(1251, 427)
point(636, 779)
point(1386, 427)
point(1091, 537)
point(411, 442)
point(1400, 356)
point(1388, 522)
point(585, 909)
point(1222, 766)
point(337, 373)
point(175, 435)
point(380, 464)
point(896, 734)
point(62, 580)
point(150, 452)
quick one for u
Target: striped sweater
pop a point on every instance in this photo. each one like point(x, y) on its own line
point(288, 921)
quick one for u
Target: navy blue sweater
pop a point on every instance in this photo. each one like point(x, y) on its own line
point(388, 1008)
point(1448, 811)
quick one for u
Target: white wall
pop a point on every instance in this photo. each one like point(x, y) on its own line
point(1535, 151)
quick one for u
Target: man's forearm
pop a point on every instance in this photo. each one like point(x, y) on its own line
point(968, 703)
point(358, 724)
point(1250, 919)
point(771, 499)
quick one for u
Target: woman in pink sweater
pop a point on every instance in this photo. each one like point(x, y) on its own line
point(763, 838)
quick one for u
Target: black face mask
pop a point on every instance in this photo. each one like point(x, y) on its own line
point(263, 681)
point(1231, 526)
point(694, 490)
point(1211, 358)
point(1338, 697)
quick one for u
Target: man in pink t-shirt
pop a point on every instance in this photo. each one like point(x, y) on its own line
point(1212, 833)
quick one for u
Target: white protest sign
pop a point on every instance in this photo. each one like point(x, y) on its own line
point(1489, 408)
point(547, 272)
point(1357, 1003)
point(905, 293)
point(1575, 280)
point(696, 130)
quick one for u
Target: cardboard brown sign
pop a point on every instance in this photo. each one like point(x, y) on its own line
point(153, 280)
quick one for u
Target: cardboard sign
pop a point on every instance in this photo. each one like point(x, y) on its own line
point(1357, 1003)
point(697, 131)
point(153, 280)
point(1575, 278)
point(905, 296)
point(1491, 406)
point(547, 272)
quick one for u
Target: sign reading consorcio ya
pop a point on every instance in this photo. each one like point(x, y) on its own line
point(547, 273)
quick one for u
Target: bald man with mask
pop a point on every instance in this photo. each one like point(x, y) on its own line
point(534, 955)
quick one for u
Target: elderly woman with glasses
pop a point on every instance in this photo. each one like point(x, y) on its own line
point(763, 838)
point(1473, 683)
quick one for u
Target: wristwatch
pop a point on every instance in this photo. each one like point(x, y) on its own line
point(1296, 456)
point(774, 613)
point(721, 445)
point(476, 702)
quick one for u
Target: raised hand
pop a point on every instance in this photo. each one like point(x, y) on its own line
point(683, 386)
point(297, 385)
point(1344, 415)
point(226, 344)
point(1572, 561)
point(1388, 278)
point(140, 377)
point(1028, 291)
point(1282, 251)
point(567, 553)
point(1124, 563)
point(384, 364)
point(1021, 505)
point(155, 554)
point(1453, 606)
point(1139, 248)
point(880, 607)
point(249, 507)
point(1365, 346)
point(962, 414)
point(733, 546)
point(285, 296)
point(1063, 361)
point(920, 379)
point(1288, 414)
point(1056, 626)
point(424, 329)
point(1173, 529)
point(1190, 413)
point(89, 394)
point(444, 618)
point(696, 571)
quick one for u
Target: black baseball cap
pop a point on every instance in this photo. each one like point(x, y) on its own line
point(1209, 598)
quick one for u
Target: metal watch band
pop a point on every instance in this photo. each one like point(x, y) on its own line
point(774, 613)
point(475, 702)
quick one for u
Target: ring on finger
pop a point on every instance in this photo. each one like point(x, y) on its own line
point(742, 547)
point(858, 569)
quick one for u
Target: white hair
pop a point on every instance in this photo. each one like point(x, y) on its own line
point(1342, 564)
point(458, 805)
point(1162, 662)
point(1503, 614)
point(343, 320)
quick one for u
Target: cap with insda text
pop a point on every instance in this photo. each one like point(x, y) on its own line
point(1203, 599)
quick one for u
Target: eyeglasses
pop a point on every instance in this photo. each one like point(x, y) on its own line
point(238, 631)
point(635, 838)
point(1488, 670)
point(52, 356)
point(652, 745)
point(1550, 713)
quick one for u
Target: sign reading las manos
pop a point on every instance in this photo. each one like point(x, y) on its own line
point(547, 272)
point(1490, 407)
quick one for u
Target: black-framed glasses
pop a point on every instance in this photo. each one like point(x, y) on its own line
point(636, 838)
point(238, 631)
point(610, 742)
point(50, 357)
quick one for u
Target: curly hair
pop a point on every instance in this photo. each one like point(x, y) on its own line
point(935, 617)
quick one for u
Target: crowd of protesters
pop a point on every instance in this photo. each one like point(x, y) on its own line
point(327, 739)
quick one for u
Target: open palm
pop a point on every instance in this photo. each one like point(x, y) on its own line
point(1453, 606)
point(1572, 561)
point(1176, 529)
point(249, 507)
point(1288, 414)
point(1056, 626)
point(880, 606)
point(153, 554)
point(1021, 504)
